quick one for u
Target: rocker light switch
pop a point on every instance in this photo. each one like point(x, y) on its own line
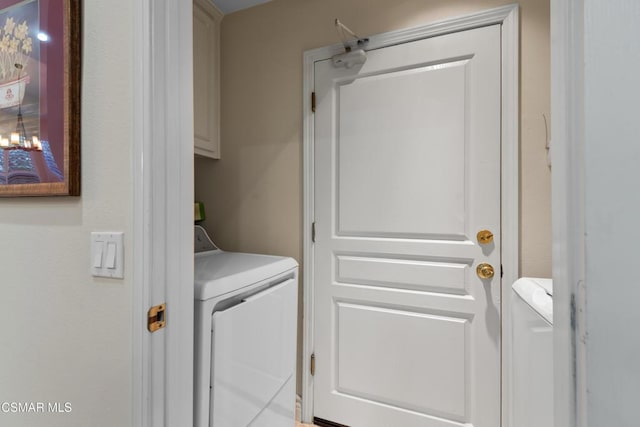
point(111, 255)
point(97, 251)
point(107, 255)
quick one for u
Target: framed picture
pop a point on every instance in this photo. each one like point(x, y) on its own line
point(39, 98)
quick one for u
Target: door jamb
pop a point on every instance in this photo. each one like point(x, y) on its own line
point(568, 212)
point(508, 17)
point(162, 212)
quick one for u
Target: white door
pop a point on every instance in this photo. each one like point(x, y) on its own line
point(407, 172)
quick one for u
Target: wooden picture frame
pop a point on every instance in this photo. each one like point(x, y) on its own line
point(40, 69)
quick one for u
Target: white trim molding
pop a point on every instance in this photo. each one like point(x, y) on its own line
point(508, 17)
point(162, 203)
point(510, 188)
point(141, 340)
point(568, 211)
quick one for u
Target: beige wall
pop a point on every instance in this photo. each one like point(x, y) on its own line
point(65, 336)
point(253, 195)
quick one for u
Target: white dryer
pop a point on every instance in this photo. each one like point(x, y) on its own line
point(245, 338)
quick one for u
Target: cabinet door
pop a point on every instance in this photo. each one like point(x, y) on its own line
point(206, 79)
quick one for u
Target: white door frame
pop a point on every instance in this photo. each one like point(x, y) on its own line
point(162, 173)
point(507, 16)
point(568, 211)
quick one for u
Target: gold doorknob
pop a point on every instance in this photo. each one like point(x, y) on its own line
point(485, 271)
point(485, 237)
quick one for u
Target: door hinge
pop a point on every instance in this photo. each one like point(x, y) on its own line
point(313, 102)
point(501, 271)
point(312, 366)
point(156, 317)
point(313, 232)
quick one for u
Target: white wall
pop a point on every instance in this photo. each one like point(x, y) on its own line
point(64, 335)
point(612, 210)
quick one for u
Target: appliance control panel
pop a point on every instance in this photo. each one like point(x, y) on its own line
point(201, 241)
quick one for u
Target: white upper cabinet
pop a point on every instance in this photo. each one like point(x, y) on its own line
point(206, 78)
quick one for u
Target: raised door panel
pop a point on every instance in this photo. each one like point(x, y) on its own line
point(406, 161)
point(409, 346)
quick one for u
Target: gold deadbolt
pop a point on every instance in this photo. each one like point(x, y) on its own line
point(485, 237)
point(485, 271)
point(156, 318)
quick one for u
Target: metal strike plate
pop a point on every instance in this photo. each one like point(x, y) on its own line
point(156, 318)
point(485, 237)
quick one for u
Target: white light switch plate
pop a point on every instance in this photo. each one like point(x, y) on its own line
point(107, 254)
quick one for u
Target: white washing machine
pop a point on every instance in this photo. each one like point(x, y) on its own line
point(532, 356)
point(245, 338)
